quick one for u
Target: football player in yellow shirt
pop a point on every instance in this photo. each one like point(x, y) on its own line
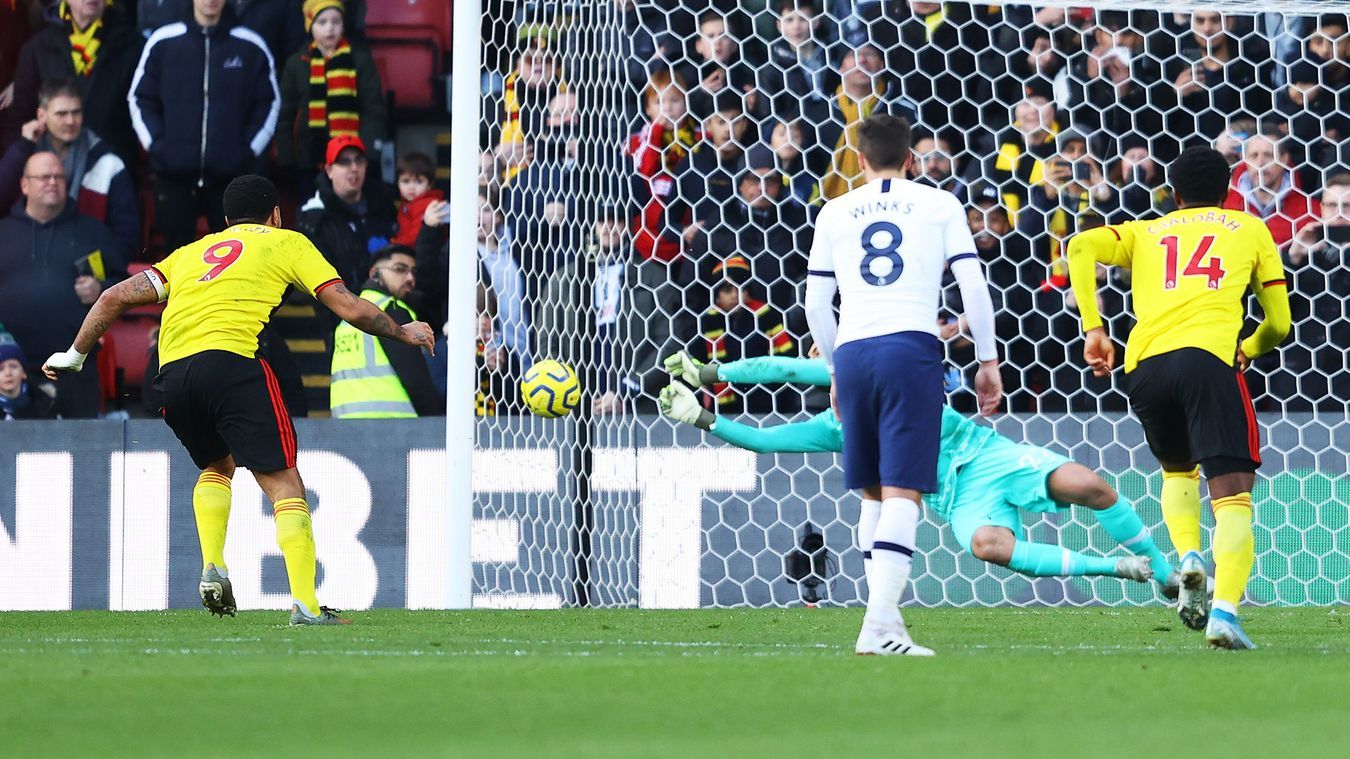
point(1191, 272)
point(220, 398)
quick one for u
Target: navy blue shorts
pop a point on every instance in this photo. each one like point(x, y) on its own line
point(890, 406)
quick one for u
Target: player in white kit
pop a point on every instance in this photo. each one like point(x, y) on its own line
point(883, 247)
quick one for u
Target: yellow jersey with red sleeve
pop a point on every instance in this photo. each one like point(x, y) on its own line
point(222, 289)
point(1191, 271)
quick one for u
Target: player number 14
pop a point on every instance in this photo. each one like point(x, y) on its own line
point(1212, 271)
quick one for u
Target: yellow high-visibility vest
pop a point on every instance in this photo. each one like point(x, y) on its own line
point(364, 384)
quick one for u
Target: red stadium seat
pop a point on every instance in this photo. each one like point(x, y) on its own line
point(409, 40)
point(130, 338)
point(428, 15)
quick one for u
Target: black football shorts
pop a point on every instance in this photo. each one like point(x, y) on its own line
point(219, 403)
point(1195, 408)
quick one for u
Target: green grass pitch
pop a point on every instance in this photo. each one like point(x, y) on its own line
point(629, 683)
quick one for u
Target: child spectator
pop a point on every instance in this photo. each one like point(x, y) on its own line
point(329, 89)
point(656, 150)
point(739, 325)
point(17, 399)
point(416, 174)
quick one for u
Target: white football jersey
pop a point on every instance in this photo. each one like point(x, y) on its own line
point(886, 244)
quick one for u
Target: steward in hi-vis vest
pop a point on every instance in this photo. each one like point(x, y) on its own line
point(380, 379)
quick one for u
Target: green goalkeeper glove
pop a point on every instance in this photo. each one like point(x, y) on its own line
point(678, 402)
point(695, 373)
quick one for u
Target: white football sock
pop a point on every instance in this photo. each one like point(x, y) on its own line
point(892, 548)
point(867, 528)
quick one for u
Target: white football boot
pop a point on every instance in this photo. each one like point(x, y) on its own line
point(888, 640)
point(1137, 568)
point(1193, 595)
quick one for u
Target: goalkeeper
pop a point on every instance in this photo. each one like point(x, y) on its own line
point(984, 477)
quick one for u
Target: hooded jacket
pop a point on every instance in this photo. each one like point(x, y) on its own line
point(1291, 210)
point(38, 304)
point(204, 101)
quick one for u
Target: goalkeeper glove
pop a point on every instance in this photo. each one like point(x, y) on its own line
point(678, 402)
point(66, 361)
point(695, 373)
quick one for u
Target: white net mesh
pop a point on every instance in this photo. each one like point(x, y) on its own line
point(650, 174)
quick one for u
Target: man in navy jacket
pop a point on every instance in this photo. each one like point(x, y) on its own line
point(54, 263)
point(204, 104)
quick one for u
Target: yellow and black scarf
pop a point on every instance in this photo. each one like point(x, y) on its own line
point(845, 170)
point(333, 108)
point(84, 43)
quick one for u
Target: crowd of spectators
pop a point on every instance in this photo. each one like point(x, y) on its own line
point(652, 168)
point(1043, 121)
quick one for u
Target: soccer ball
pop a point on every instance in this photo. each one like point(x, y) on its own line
point(550, 389)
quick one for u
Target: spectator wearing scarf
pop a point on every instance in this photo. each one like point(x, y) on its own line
point(329, 89)
point(91, 44)
point(864, 91)
point(526, 95)
point(656, 150)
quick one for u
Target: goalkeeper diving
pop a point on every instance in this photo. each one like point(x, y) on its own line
point(984, 477)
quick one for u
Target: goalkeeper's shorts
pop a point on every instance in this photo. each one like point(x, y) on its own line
point(1004, 477)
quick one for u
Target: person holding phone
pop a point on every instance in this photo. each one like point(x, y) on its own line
point(1072, 195)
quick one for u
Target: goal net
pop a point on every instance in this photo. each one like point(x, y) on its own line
point(650, 172)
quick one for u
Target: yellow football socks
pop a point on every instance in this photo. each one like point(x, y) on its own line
point(211, 504)
point(295, 538)
point(1181, 509)
point(1233, 547)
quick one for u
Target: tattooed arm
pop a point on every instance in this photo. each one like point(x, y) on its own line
point(135, 291)
point(363, 315)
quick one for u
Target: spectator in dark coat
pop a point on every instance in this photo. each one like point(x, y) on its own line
point(312, 114)
point(787, 140)
point(19, 400)
point(14, 32)
point(707, 175)
point(935, 49)
point(190, 73)
point(53, 265)
point(541, 201)
point(1216, 76)
point(108, 49)
point(1313, 370)
point(349, 218)
point(1121, 83)
point(767, 231)
point(799, 68)
point(715, 66)
point(865, 90)
point(99, 182)
point(935, 165)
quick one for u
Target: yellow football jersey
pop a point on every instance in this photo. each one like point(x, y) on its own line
point(1190, 274)
point(223, 288)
